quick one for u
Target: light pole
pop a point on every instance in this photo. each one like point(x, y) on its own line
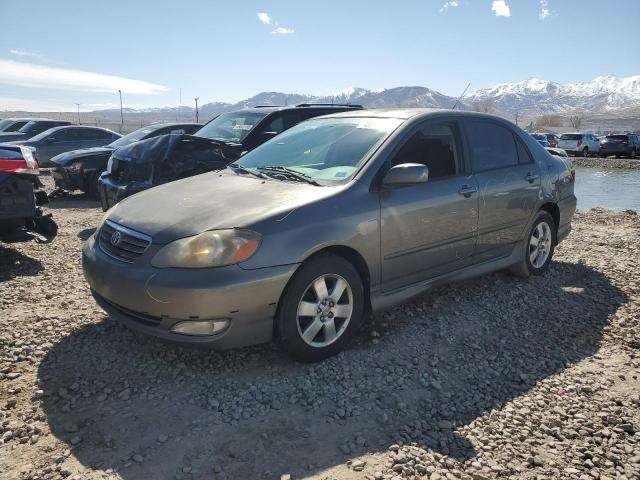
point(78, 113)
point(197, 113)
point(121, 114)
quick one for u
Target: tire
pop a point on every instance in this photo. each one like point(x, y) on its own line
point(539, 265)
point(633, 154)
point(91, 185)
point(585, 152)
point(301, 295)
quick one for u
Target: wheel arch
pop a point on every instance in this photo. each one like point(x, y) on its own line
point(349, 254)
point(554, 211)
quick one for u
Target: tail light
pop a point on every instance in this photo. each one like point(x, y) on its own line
point(579, 142)
point(26, 165)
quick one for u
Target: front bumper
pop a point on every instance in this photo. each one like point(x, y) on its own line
point(152, 300)
point(67, 180)
point(111, 192)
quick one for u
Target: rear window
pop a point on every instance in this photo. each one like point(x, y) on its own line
point(618, 137)
point(571, 136)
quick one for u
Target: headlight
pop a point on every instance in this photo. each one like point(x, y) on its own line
point(209, 249)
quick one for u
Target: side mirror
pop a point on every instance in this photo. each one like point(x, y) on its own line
point(406, 174)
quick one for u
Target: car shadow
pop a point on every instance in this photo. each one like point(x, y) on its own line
point(71, 201)
point(148, 410)
point(16, 264)
point(86, 233)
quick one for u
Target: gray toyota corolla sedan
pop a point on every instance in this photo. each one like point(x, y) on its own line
point(339, 216)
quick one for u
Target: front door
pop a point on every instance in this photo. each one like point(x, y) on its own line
point(508, 182)
point(429, 229)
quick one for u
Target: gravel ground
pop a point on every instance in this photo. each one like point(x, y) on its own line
point(496, 377)
point(609, 162)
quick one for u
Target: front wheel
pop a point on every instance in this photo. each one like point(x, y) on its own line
point(539, 246)
point(321, 308)
point(585, 152)
point(91, 185)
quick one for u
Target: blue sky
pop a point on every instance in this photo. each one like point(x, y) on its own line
point(56, 53)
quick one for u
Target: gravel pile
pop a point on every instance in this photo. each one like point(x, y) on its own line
point(496, 377)
point(609, 162)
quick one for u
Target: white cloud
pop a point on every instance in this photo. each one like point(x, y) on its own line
point(42, 76)
point(545, 11)
point(23, 53)
point(449, 4)
point(282, 31)
point(500, 8)
point(264, 18)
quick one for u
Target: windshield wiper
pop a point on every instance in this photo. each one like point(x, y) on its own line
point(302, 177)
point(237, 168)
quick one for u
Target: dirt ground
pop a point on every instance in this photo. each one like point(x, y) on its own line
point(496, 377)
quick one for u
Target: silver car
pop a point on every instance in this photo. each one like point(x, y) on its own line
point(337, 217)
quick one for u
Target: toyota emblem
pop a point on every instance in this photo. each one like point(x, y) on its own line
point(116, 237)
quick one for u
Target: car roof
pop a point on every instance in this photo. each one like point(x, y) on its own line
point(277, 108)
point(38, 119)
point(409, 113)
point(64, 127)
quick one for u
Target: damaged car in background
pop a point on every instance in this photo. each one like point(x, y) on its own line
point(21, 215)
point(80, 169)
point(220, 142)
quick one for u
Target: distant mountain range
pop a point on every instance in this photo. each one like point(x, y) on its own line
point(529, 99)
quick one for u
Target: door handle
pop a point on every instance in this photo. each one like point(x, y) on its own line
point(467, 190)
point(532, 177)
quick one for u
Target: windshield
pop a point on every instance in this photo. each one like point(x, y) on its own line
point(329, 149)
point(571, 136)
point(131, 137)
point(26, 128)
point(5, 123)
point(42, 135)
point(231, 127)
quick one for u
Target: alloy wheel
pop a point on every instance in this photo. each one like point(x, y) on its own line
point(324, 311)
point(540, 244)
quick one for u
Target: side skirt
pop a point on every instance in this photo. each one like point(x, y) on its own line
point(381, 301)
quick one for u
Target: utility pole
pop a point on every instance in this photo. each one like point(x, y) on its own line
point(517, 115)
point(78, 113)
point(197, 113)
point(121, 113)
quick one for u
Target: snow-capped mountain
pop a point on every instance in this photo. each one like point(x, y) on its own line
point(530, 98)
point(534, 96)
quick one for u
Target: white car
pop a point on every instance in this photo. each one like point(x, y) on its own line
point(583, 144)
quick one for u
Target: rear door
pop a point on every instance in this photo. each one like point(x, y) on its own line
point(429, 229)
point(93, 137)
point(509, 184)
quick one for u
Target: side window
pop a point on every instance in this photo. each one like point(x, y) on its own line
point(492, 145)
point(274, 124)
point(66, 135)
point(91, 134)
point(523, 153)
point(177, 131)
point(435, 145)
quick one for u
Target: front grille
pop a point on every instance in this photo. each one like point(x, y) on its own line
point(129, 246)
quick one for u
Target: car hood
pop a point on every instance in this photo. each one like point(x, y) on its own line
point(11, 136)
point(210, 201)
point(68, 157)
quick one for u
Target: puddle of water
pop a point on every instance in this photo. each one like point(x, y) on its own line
point(616, 189)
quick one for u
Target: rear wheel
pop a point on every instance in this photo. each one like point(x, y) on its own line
point(585, 152)
point(321, 308)
point(539, 247)
point(633, 153)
